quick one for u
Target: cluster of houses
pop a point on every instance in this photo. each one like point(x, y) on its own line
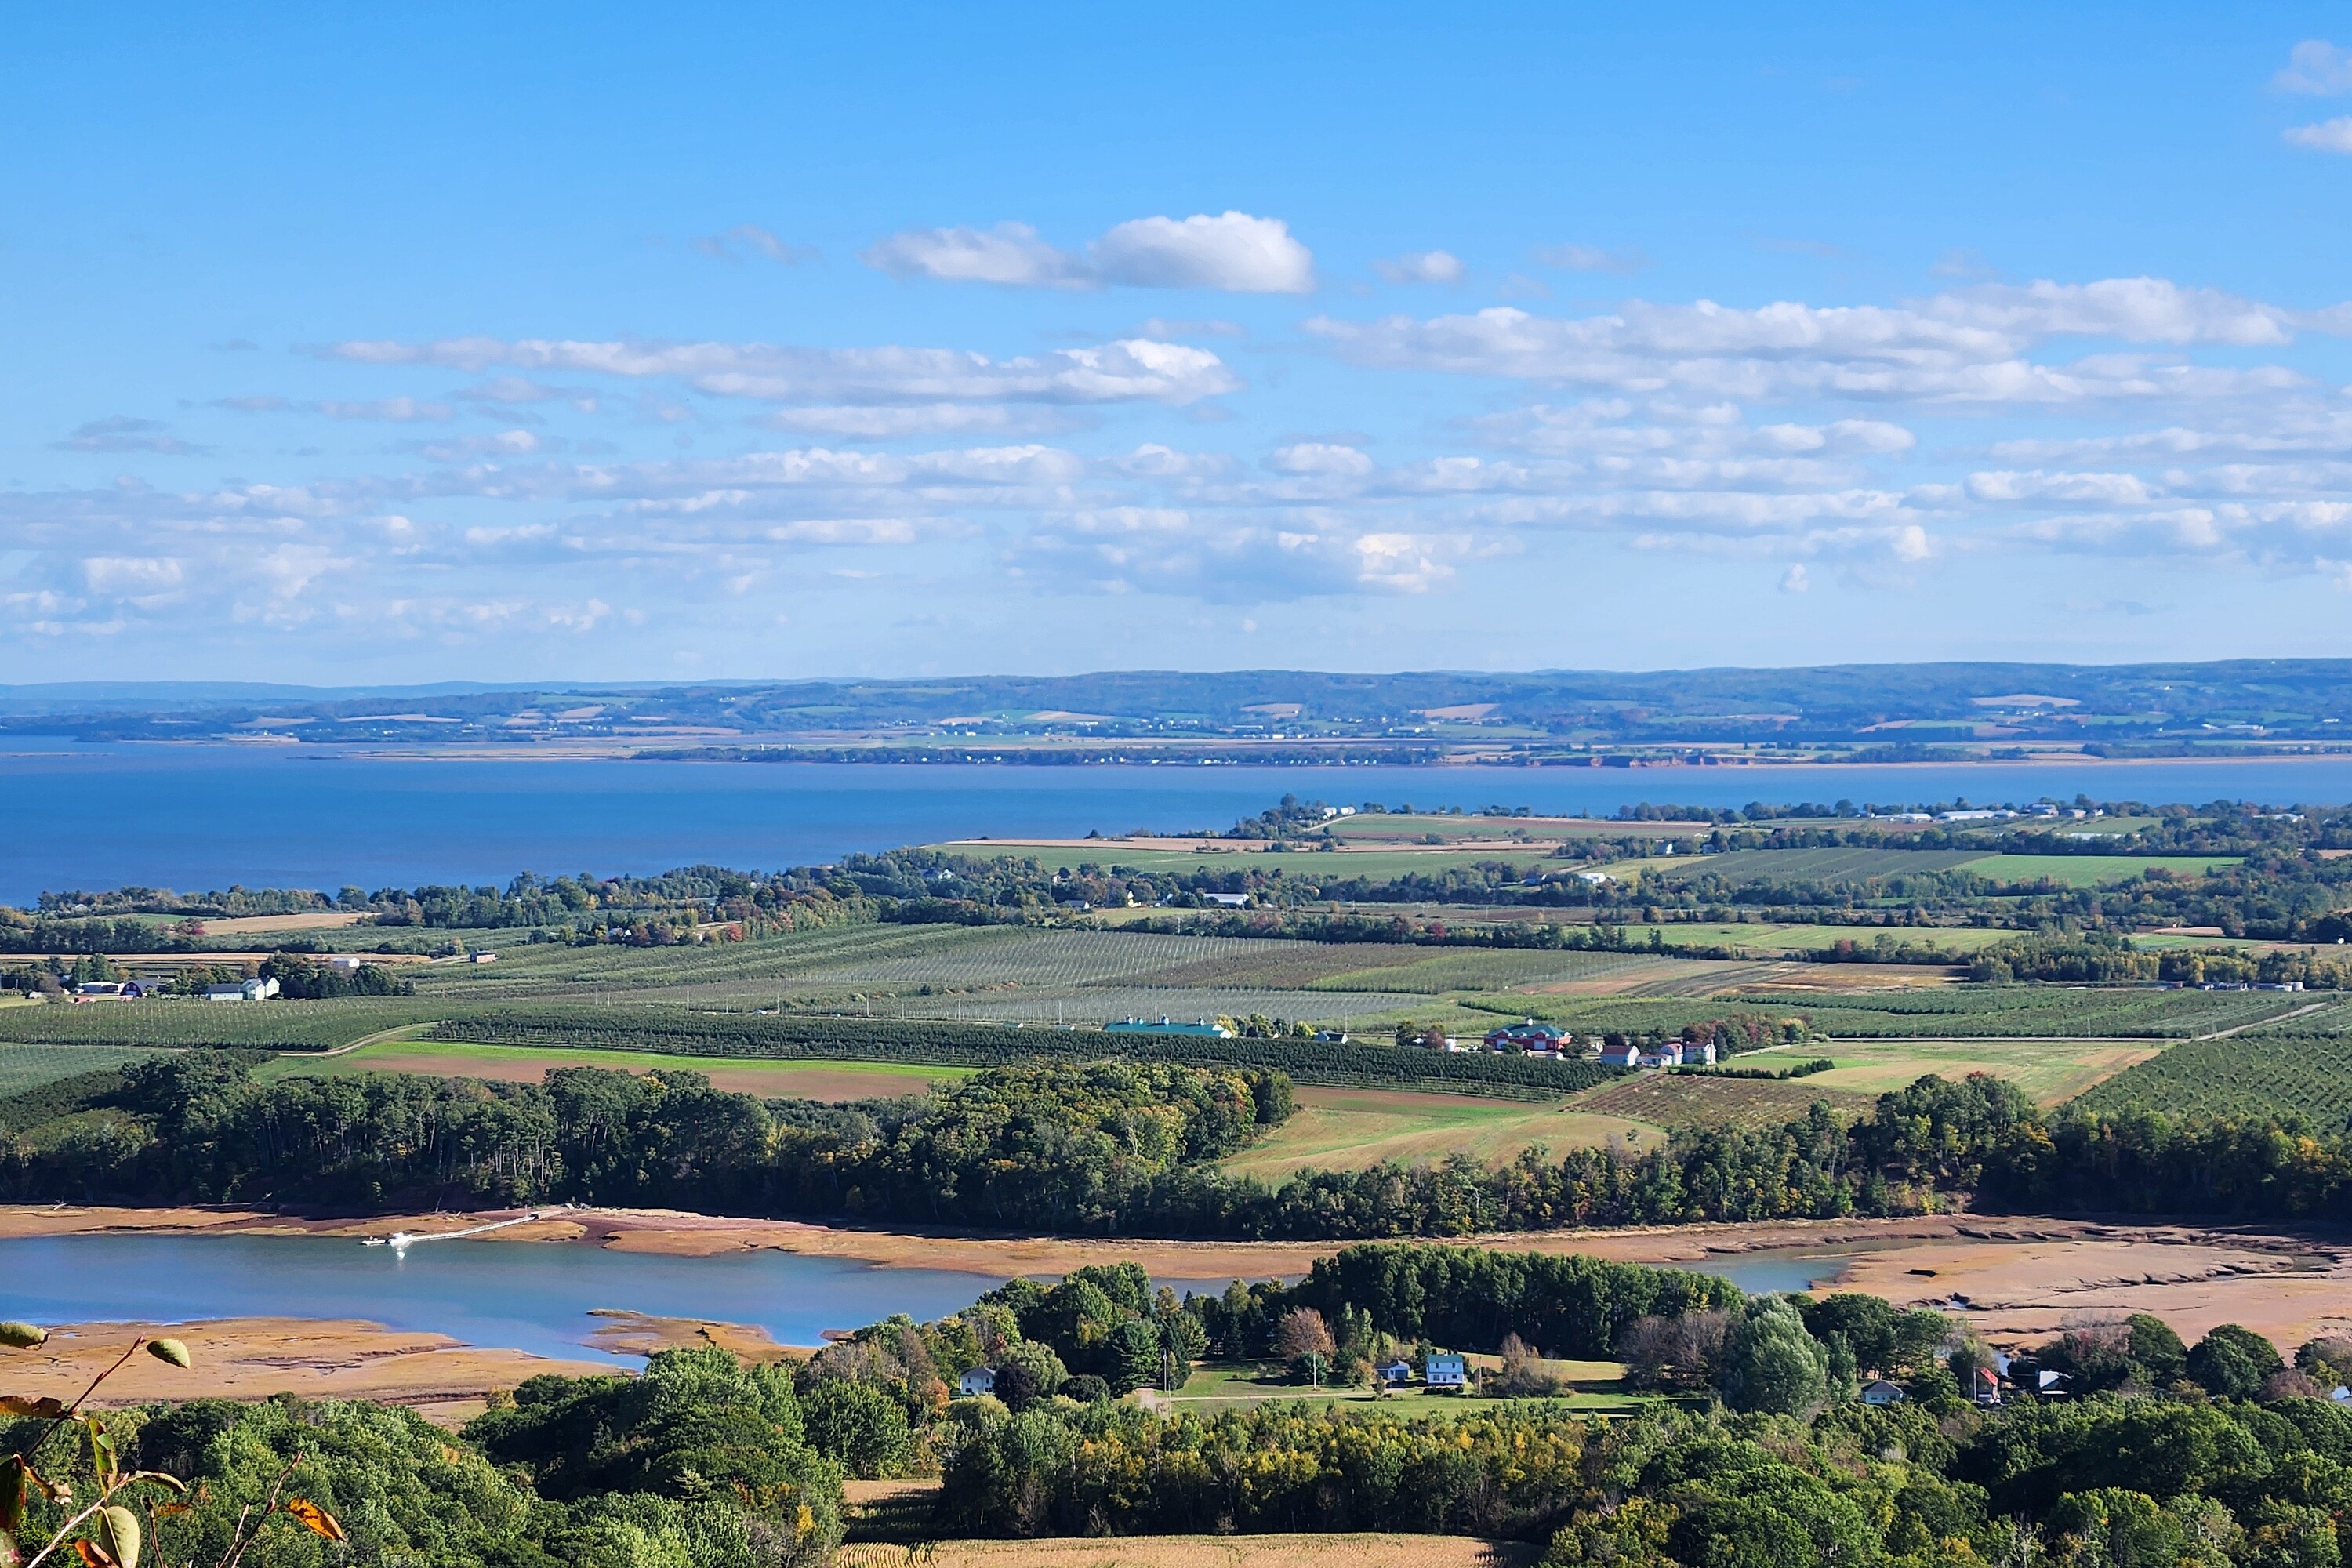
point(132, 990)
point(1671, 1054)
point(1984, 1387)
point(1551, 1041)
point(106, 991)
point(229, 991)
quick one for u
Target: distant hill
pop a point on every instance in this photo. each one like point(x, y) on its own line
point(1892, 711)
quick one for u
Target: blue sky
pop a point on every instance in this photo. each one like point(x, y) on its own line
point(595, 343)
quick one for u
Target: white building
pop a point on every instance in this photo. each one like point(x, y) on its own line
point(1446, 1372)
point(242, 991)
point(979, 1380)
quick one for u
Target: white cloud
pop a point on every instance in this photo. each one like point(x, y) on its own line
point(1010, 255)
point(1128, 370)
point(2136, 310)
point(2316, 66)
point(1794, 581)
point(118, 575)
point(2100, 490)
point(1318, 457)
point(883, 422)
point(1233, 251)
point(859, 530)
point(1962, 347)
point(1165, 549)
point(2328, 136)
point(1421, 266)
point(1591, 258)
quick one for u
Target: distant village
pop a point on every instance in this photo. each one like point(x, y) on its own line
point(1530, 1037)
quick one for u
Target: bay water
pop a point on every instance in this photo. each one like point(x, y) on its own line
point(195, 818)
point(535, 1297)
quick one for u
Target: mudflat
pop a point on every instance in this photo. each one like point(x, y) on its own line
point(2017, 1278)
point(253, 1358)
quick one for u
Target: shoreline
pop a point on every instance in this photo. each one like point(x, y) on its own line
point(2016, 1278)
point(637, 750)
point(445, 1380)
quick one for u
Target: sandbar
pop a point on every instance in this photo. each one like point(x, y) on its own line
point(2017, 1278)
point(442, 1379)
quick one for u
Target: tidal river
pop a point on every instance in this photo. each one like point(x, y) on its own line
point(528, 1296)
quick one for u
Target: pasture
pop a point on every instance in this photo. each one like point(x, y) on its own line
point(2096, 870)
point(1854, 867)
point(24, 1066)
point(1675, 1099)
point(1787, 865)
point(2050, 1070)
point(1595, 1385)
point(1337, 1129)
point(1772, 939)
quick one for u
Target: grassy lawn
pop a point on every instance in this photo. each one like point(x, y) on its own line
point(24, 1066)
point(2093, 870)
point(1777, 939)
point(1350, 1129)
point(799, 1080)
point(2050, 1070)
point(1673, 1099)
point(1594, 1385)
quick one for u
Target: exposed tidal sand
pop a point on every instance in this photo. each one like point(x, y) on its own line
point(2017, 1278)
point(253, 1358)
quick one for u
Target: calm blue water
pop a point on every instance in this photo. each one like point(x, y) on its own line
point(512, 1295)
point(524, 1296)
point(196, 818)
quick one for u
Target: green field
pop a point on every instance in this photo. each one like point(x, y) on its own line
point(1678, 1099)
point(1856, 866)
point(1026, 974)
point(2050, 1070)
point(24, 1066)
point(175, 1021)
point(2305, 1075)
point(1350, 1129)
point(1776, 939)
point(802, 1079)
point(2096, 870)
point(1962, 1012)
point(1482, 969)
point(1384, 865)
point(1594, 1385)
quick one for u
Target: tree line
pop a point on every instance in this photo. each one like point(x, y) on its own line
point(1107, 1147)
